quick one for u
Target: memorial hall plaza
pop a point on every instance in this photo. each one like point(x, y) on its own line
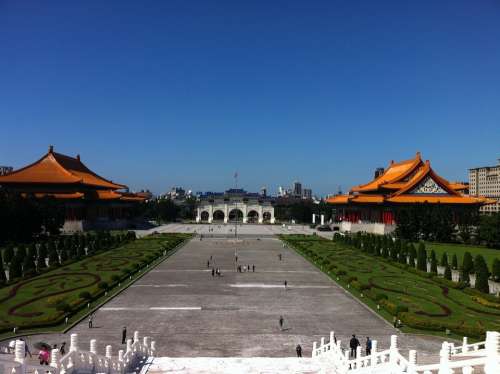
point(192, 314)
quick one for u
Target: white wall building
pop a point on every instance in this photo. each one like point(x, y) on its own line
point(485, 181)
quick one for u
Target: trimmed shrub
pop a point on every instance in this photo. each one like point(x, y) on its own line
point(85, 295)
point(482, 275)
point(447, 272)
point(444, 260)
point(421, 257)
point(454, 262)
point(103, 285)
point(495, 270)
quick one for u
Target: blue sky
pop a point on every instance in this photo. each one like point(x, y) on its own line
point(161, 93)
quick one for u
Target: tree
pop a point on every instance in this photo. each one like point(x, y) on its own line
point(496, 270)
point(434, 269)
point(489, 230)
point(447, 272)
point(467, 267)
point(21, 252)
point(8, 254)
point(403, 253)
point(3, 278)
point(31, 251)
point(385, 252)
point(413, 255)
point(396, 250)
point(421, 257)
point(40, 263)
point(482, 275)
point(28, 266)
point(53, 256)
point(63, 255)
point(42, 251)
point(444, 259)
point(15, 269)
point(454, 262)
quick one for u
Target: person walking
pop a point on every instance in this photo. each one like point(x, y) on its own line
point(124, 335)
point(44, 356)
point(353, 344)
point(281, 322)
point(279, 256)
point(368, 346)
point(286, 284)
point(208, 263)
point(298, 349)
point(253, 268)
point(62, 350)
point(91, 320)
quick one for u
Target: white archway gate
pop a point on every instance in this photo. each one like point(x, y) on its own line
point(251, 212)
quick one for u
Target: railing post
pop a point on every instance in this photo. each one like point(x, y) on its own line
point(373, 354)
point(322, 345)
point(129, 345)
point(145, 342)
point(393, 353)
point(93, 346)
point(358, 351)
point(332, 337)
point(492, 346)
point(108, 351)
point(136, 336)
point(412, 361)
point(464, 345)
point(314, 350)
point(444, 360)
point(73, 345)
point(54, 358)
point(153, 348)
point(19, 351)
point(120, 355)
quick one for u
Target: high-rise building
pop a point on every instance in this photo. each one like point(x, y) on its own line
point(485, 181)
point(297, 189)
point(263, 191)
point(307, 193)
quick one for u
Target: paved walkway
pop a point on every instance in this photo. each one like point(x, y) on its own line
point(192, 314)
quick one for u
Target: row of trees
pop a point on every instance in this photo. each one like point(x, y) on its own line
point(441, 223)
point(405, 253)
point(167, 210)
point(27, 261)
point(21, 218)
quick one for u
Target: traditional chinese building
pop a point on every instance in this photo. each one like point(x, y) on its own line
point(90, 201)
point(371, 207)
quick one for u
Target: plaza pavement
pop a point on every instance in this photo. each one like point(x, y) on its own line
point(191, 314)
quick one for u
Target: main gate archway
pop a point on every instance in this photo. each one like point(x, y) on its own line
point(204, 216)
point(218, 216)
point(253, 216)
point(235, 215)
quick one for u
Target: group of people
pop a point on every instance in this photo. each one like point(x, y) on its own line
point(245, 268)
point(354, 344)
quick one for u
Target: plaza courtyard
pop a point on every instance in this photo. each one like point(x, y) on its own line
point(192, 314)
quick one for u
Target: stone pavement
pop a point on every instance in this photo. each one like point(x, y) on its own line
point(192, 314)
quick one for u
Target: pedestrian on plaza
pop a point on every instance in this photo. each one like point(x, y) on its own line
point(395, 321)
point(44, 356)
point(213, 272)
point(208, 263)
point(62, 350)
point(368, 346)
point(91, 320)
point(124, 335)
point(279, 256)
point(236, 258)
point(353, 344)
point(281, 321)
point(210, 258)
point(286, 284)
point(298, 349)
point(253, 268)
point(26, 348)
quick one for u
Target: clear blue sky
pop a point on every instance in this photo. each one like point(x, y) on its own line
point(161, 93)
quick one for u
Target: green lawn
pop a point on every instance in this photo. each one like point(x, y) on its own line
point(430, 305)
point(489, 254)
point(32, 303)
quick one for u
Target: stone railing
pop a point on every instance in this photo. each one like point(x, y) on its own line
point(76, 359)
point(481, 357)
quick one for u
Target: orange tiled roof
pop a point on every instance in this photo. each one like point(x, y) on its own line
point(40, 195)
point(108, 195)
point(56, 168)
point(394, 173)
point(398, 184)
point(457, 186)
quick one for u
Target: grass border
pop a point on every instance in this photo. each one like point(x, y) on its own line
point(84, 312)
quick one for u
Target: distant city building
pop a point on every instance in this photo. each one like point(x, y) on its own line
point(176, 193)
point(263, 191)
point(297, 189)
point(307, 193)
point(485, 181)
point(234, 205)
point(6, 170)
